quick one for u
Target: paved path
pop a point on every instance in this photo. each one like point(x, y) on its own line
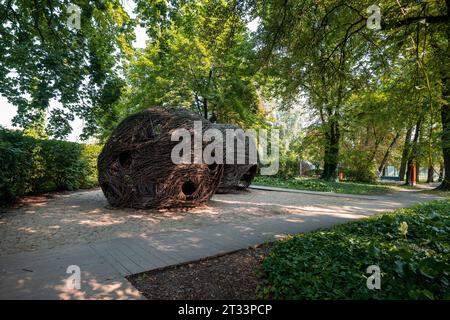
point(41, 274)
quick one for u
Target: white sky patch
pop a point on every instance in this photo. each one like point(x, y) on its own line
point(253, 25)
point(7, 113)
point(141, 38)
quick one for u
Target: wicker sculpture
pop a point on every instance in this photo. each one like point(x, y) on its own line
point(236, 177)
point(135, 166)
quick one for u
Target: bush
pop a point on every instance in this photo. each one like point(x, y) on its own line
point(356, 167)
point(288, 166)
point(29, 165)
point(410, 246)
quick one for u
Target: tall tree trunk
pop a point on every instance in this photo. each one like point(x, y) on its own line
point(205, 108)
point(430, 174)
point(445, 115)
point(405, 154)
point(331, 156)
point(441, 172)
point(387, 154)
point(445, 111)
point(413, 153)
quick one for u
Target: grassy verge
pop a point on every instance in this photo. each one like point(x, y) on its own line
point(410, 246)
point(319, 185)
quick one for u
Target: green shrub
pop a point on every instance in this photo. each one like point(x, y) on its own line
point(288, 166)
point(332, 264)
point(89, 155)
point(357, 167)
point(29, 165)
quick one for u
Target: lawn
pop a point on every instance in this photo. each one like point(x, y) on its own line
point(410, 246)
point(320, 185)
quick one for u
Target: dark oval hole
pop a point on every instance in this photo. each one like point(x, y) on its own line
point(188, 188)
point(125, 159)
point(212, 166)
point(248, 176)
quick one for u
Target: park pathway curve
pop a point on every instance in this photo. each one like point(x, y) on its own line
point(103, 263)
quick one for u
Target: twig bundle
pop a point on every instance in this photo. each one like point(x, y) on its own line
point(236, 177)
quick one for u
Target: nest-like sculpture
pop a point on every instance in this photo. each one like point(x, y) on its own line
point(237, 176)
point(135, 166)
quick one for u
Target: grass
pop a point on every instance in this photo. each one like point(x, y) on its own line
point(410, 246)
point(320, 185)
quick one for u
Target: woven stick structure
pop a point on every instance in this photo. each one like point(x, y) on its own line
point(236, 176)
point(136, 169)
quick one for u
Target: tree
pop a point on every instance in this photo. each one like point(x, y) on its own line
point(325, 50)
point(199, 56)
point(317, 49)
point(43, 57)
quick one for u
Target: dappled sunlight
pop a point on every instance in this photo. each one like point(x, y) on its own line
point(27, 229)
point(105, 220)
point(51, 282)
point(111, 290)
point(85, 216)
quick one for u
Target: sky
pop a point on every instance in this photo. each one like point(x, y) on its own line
point(8, 111)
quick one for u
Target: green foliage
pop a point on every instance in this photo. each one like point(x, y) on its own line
point(320, 185)
point(357, 167)
point(42, 58)
point(29, 165)
point(198, 57)
point(361, 86)
point(411, 247)
point(289, 165)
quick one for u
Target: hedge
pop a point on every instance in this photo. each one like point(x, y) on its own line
point(29, 165)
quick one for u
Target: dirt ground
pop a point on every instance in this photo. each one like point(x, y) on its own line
point(84, 216)
point(231, 276)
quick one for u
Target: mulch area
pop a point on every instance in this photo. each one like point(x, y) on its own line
point(33, 199)
point(28, 200)
point(229, 276)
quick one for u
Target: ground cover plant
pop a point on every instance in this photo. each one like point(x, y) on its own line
point(321, 185)
point(410, 246)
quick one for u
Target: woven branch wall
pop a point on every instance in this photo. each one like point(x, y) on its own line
point(236, 177)
point(135, 166)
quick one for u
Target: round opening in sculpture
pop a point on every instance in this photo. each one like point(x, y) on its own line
point(212, 166)
point(247, 178)
point(125, 159)
point(188, 188)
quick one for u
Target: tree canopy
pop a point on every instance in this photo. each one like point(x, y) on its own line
point(373, 96)
point(44, 57)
